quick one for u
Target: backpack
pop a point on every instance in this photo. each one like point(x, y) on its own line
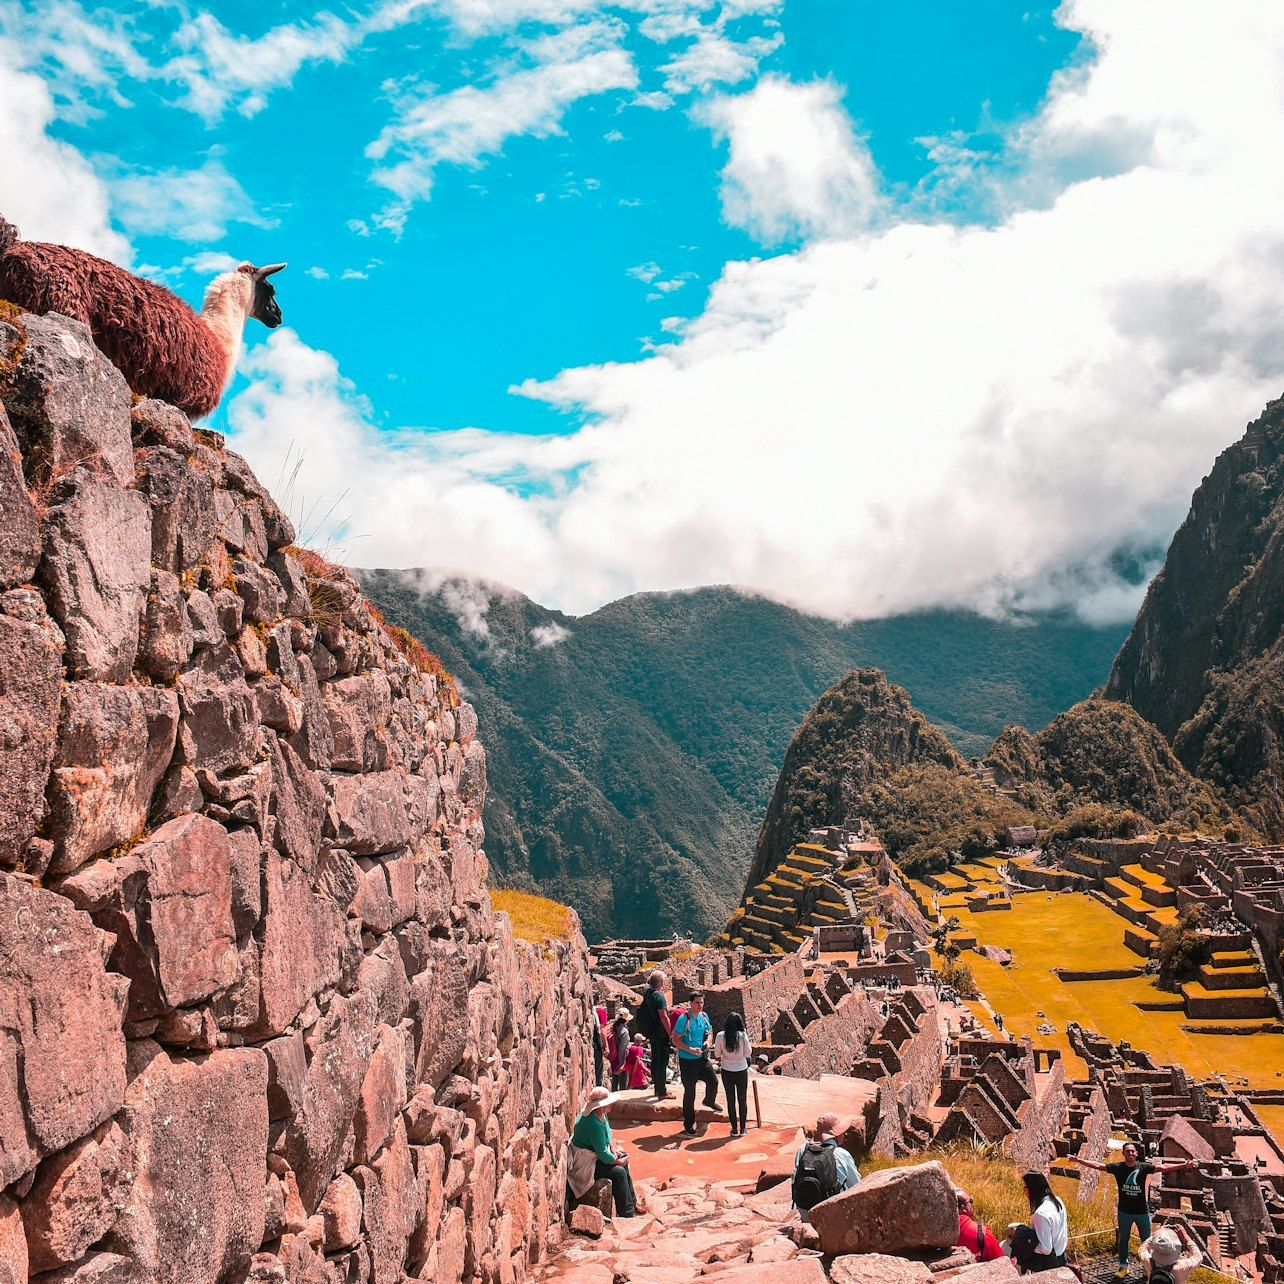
point(815, 1175)
point(1160, 1275)
point(647, 1022)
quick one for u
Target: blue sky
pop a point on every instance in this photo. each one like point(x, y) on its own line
point(542, 251)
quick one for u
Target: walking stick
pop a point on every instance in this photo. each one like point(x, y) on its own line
point(757, 1106)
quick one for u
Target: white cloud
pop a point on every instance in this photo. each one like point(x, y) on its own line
point(47, 187)
point(189, 205)
point(219, 70)
point(465, 125)
point(902, 413)
point(549, 635)
point(795, 165)
point(354, 274)
point(715, 59)
point(318, 273)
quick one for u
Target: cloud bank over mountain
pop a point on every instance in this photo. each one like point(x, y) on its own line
point(904, 411)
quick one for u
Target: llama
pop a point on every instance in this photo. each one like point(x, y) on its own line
point(163, 348)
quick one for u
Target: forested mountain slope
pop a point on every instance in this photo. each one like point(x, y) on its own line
point(633, 751)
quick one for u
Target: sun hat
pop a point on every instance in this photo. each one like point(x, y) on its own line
point(1165, 1247)
point(831, 1125)
point(598, 1099)
point(622, 1015)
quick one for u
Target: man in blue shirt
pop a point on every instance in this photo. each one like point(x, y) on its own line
point(691, 1033)
point(829, 1128)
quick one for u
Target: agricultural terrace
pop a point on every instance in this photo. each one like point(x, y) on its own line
point(1072, 930)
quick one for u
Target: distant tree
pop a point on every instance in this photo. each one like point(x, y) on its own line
point(1182, 948)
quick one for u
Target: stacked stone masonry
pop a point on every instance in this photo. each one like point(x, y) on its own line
point(257, 1018)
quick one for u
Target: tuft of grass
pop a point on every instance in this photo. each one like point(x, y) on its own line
point(998, 1196)
point(534, 918)
point(418, 655)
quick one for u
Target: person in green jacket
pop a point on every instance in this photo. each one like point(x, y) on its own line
point(592, 1132)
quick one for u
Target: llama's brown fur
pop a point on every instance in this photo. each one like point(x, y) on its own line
point(163, 348)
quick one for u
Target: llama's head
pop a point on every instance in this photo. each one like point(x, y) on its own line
point(264, 306)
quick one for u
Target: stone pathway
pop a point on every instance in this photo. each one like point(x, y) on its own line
point(691, 1227)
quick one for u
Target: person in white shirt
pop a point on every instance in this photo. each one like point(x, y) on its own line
point(732, 1050)
point(1049, 1228)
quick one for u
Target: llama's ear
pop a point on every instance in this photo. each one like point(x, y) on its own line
point(269, 270)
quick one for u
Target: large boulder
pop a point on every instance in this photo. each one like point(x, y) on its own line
point(97, 567)
point(62, 1050)
point(114, 744)
point(894, 1211)
point(30, 692)
point(198, 1134)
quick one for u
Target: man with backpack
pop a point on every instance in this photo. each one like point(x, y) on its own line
point(692, 1032)
point(822, 1168)
point(1169, 1255)
point(654, 1022)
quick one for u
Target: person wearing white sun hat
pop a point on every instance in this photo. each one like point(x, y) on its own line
point(592, 1132)
point(1169, 1255)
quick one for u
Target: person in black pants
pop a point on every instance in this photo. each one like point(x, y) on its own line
point(732, 1050)
point(655, 1022)
point(691, 1032)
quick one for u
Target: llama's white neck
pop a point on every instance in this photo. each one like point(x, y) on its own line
point(225, 310)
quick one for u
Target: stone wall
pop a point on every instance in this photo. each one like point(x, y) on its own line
point(258, 1020)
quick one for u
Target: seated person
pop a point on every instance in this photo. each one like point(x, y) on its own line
point(973, 1233)
point(593, 1133)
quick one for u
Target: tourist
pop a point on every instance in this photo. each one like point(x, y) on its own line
point(654, 1022)
point(592, 1132)
point(599, 1023)
point(823, 1168)
point(974, 1234)
point(1134, 1210)
point(691, 1032)
point(635, 1066)
point(618, 1044)
point(1169, 1255)
point(1040, 1246)
point(732, 1050)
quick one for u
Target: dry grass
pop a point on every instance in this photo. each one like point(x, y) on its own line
point(999, 1197)
point(534, 918)
point(418, 655)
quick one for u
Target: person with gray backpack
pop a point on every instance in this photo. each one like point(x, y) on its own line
point(822, 1168)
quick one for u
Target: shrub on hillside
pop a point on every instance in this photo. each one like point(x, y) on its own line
point(1096, 820)
point(1182, 949)
point(930, 816)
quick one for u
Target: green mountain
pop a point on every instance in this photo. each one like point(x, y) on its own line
point(1205, 660)
point(632, 752)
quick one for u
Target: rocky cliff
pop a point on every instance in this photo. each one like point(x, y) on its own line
point(1205, 659)
point(1103, 752)
point(258, 1020)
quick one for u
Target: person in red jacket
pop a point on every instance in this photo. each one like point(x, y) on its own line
point(974, 1233)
